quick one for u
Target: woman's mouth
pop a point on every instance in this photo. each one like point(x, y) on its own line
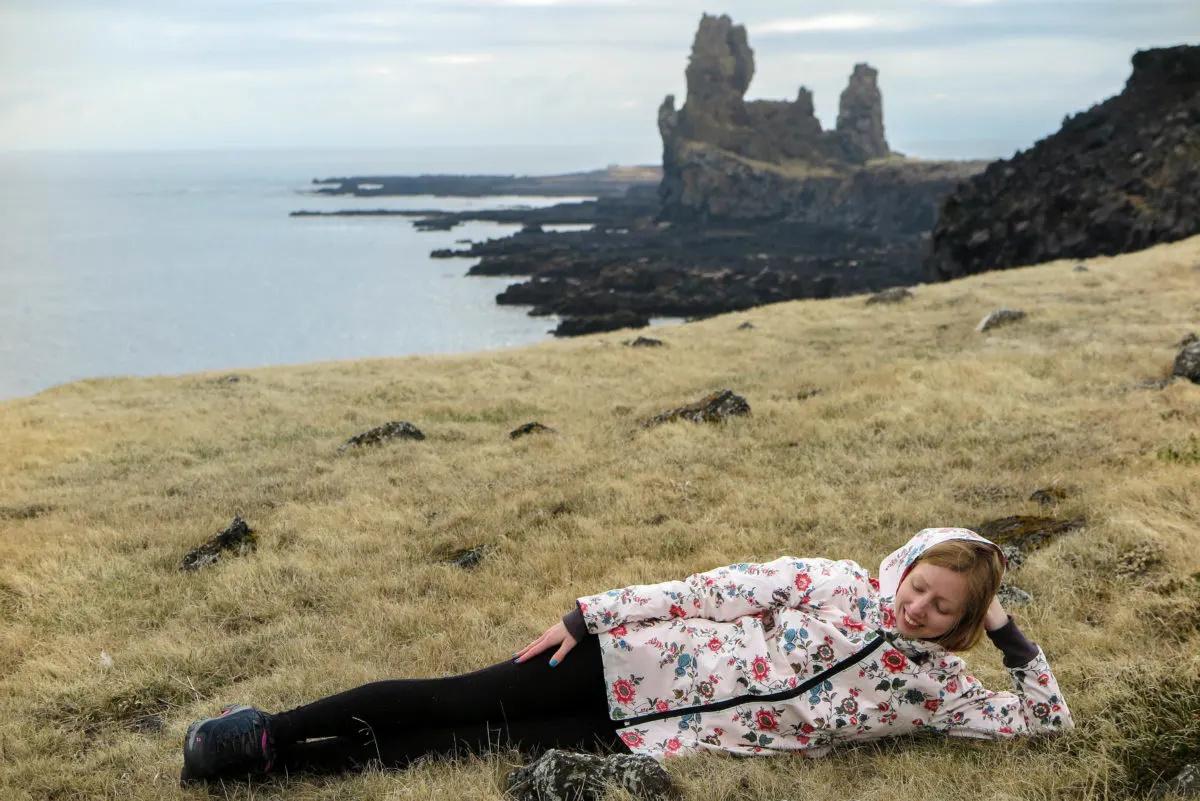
point(912, 624)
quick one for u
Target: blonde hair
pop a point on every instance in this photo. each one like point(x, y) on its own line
point(983, 567)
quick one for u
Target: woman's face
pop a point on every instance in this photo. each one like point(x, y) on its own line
point(930, 601)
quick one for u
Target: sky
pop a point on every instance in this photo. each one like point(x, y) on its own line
point(960, 78)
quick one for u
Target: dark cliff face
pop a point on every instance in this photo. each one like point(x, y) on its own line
point(1120, 176)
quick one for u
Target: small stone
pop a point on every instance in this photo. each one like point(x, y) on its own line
point(239, 539)
point(1187, 363)
point(149, 724)
point(746, 326)
point(1187, 340)
point(530, 428)
point(895, 294)
point(232, 378)
point(1157, 383)
point(566, 776)
point(809, 392)
point(1143, 558)
point(468, 558)
point(396, 429)
point(1013, 596)
point(644, 342)
point(715, 408)
point(1013, 558)
point(1048, 496)
point(1184, 785)
point(999, 317)
point(1027, 533)
point(1081, 268)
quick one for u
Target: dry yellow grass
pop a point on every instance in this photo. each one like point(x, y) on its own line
point(104, 484)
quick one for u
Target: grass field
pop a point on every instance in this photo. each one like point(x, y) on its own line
point(105, 484)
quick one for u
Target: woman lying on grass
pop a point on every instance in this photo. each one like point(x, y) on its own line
point(792, 655)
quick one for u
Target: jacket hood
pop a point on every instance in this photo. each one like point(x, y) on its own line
point(897, 563)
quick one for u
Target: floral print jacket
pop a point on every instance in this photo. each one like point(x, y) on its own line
point(795, 655)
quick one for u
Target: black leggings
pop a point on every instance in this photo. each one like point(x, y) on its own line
point(530, 706)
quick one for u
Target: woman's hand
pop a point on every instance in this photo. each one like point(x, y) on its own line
point(996, 617)
point(555, 635)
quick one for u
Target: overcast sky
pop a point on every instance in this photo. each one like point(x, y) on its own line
point(959, 77)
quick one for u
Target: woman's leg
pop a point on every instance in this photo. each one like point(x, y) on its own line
point(494, 697)
point(398, 750)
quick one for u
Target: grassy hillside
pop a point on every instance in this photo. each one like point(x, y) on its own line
point(105, 484)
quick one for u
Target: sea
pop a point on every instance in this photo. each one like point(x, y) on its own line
point(171, 262)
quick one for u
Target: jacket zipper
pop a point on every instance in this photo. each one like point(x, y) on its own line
point(782, 695)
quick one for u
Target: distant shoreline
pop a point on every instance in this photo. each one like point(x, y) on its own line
point(612, 181)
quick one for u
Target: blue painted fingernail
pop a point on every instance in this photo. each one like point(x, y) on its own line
point(553, 662)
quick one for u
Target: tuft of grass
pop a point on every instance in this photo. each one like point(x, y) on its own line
point(108, 650)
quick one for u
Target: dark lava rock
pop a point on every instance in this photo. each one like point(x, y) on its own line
point(1027, 533)
point(645, 342)
point(468, 558)
point(894, 295)
point(1185, 785)
point(1187, 340)
point(1011, 596)
point(746, 326)
point(1187, 363)
point(396, 429)
point(715, 408)
point(530, 428)
point(1080, 268)
point(239, 539)
point(593, 324)
point(568, 776)
point(1121, 176)
point(1048, 496)
point(998, 318)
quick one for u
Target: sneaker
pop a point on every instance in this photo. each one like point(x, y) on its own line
point(236, 743)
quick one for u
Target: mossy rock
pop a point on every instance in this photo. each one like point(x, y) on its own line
point(1027, 533)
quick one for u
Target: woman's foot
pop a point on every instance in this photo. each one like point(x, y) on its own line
point(235, 744)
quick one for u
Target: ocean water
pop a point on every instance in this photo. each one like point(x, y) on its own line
point(175, 262)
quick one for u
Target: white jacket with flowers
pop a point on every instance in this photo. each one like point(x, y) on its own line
point(795, 655)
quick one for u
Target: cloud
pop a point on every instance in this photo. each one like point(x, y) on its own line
point(458, 59)
point(831, 22)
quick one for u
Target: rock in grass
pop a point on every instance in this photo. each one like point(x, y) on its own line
point(746, 326)
point(530, 428)
point(1027, 533)
point(715, 408)
point(894, 295)
point(468, 558)
point(1187, 340)
point(396, 429)
point(1013, 596)
point(238, 539)
point(1048, 496)
point(1187, 363)
point(808, 392)
point(999, 317)
point(568, 776)
point(1185, 785)
point(644, 342)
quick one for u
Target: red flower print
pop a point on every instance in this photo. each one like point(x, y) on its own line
point(676, 610)
point(802, 740)
point(849, 706)
point(807, 728)
point(932, 704)
point(623, 691)
point(952, 686)
point(894, 661)
point(766, 720)
point(631, 738)
point(803, 582)
point(1041, 710)
point(884, 706)
point(661, 706)
point(714, 644)
point(674, 745)
point(760, 668)
point(889, 617)
point(619, 631)
point(1043, 679)
point(874, 584)
point(1005, 730)
point(852, 624)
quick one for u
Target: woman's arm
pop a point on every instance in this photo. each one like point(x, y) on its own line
point(1035, 706)
point(725, 593)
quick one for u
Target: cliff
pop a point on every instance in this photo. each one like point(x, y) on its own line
point(1118, 177)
